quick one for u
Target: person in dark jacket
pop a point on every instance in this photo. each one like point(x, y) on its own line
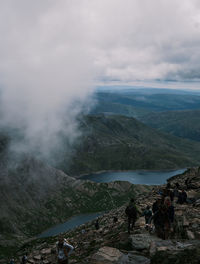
point(131, 212)
point(156, 205)
point(97, 224)
point(161, 222)
point(182, 197)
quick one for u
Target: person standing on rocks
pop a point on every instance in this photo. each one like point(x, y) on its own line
point(161, 222)
point(12, 261)
point(64, 250)
point(182, 197)
point(147, 214)
point(131, 211)
point(97, 224)
point(24, 259)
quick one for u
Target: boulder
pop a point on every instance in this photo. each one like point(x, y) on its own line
point(107, 255)
point(134, 259)
point(142, 241)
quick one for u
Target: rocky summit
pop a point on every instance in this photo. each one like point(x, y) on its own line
point(111, 243)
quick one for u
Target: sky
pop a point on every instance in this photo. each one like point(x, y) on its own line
point(52, 53)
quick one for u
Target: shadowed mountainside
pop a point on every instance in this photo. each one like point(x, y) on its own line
point(185, 124)
point(35, 196)
point(124, 143)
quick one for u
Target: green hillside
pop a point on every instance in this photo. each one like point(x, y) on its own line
point(185, 124)
point(123, 143)
point(137, 103)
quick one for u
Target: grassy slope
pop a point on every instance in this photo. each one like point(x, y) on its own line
point(185, 124)
point(138, 103)
point(121, 143)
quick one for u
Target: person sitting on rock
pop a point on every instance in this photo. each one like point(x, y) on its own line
point(131, 211)
point(64, 249)
point(147, 214)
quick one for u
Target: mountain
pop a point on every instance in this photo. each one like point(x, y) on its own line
point(185, 124)
point(124, 143)
point(112, 244)
point(35, 196)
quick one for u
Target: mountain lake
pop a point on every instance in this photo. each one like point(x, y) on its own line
point(135, 177)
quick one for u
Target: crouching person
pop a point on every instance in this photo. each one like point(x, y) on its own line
point(64, 250)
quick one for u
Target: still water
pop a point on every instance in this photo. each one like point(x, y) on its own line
point(136, 177)
point(70, 224)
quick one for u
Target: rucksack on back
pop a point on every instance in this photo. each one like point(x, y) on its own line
point(131, 211)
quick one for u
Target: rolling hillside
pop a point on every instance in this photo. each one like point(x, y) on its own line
point(185, 124)
point(137, 103)
point(124, 143)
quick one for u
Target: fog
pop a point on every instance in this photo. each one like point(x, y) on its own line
point(53, 52)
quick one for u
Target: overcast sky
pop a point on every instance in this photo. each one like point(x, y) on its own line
point(52, 52)
point(126, 40)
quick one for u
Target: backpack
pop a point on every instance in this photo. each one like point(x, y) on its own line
point(131, 211)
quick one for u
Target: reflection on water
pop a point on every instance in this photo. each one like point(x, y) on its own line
point(135, 177)
point(70, 224)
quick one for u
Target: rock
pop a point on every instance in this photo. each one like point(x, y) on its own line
point(46, 251)
point(185, 222)
point(31, 261)
point(190, 234)
point(162, 248)
point(134, 259)
point(140, 222)
point(37, 257)
point(106, 255)
point(142, 241)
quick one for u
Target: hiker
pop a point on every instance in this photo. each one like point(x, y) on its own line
point(147, 214)
point(97, 224)
point(131, 212)
point(115, 219)
point(169, 185)
point(64, 249)
point(155, 205)
point(177, 185)
point(176, 192)
point(161, 222)
point(24, 259)
point(171, 195)
point(182, 197)
point(171, 214)
point(167, 201)
point(187, 183)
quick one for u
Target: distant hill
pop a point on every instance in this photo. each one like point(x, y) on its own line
point(124, 143)
point(137, 103)
point(185, 124)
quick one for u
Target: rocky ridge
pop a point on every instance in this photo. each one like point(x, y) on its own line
point(112, 244)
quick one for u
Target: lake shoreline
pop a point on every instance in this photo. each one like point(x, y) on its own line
point(137, 170)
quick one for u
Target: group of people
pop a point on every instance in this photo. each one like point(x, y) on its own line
point(162, 212)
